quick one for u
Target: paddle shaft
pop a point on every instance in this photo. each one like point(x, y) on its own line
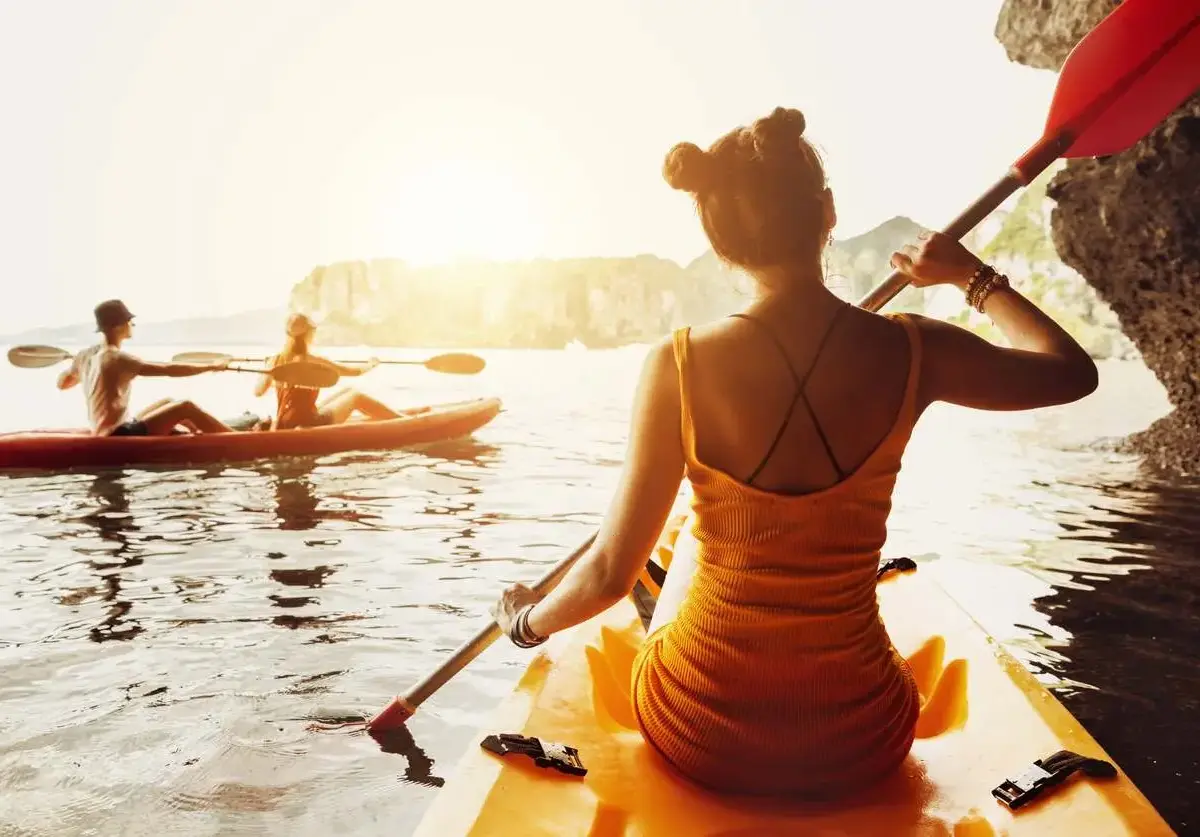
point(883, 293)
point(479, 643)
point(458, 363)
point(392, 362)
point(344, 362)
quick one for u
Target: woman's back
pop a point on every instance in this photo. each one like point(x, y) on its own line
point(295, 406)
point(780, 627)
point(744, 390)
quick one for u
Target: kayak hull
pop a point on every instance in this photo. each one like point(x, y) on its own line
point(63, 450)
point(984, 718)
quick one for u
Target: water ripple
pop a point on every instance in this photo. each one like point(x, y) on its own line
point(167, 635)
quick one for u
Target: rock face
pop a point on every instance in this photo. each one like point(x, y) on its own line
point(1130, 224)
point(1040, 33)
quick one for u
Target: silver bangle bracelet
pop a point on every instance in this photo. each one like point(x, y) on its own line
point(521, 634)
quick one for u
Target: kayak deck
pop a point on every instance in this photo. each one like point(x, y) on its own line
point(60, 450)
point(984, 718)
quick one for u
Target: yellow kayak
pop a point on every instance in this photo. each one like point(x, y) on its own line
point(984, 720)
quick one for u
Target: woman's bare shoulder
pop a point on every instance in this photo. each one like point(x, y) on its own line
point(715, 332)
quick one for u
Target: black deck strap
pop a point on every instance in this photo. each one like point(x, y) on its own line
point(657, 574)
point(644, 602)
point(1048, 773)
point(895, 564)
point(643, 599)
point(544, 753)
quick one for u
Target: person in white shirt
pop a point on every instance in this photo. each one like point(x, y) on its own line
point(107, 374)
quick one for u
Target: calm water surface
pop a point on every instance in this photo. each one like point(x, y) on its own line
point(166, 635)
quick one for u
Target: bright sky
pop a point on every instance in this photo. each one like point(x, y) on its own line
point(202, 157)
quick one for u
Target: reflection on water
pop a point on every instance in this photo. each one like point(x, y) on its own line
point(1136, 639)
point(167, 636)
point(296, 503)
point(399, 741)
point(111, 518)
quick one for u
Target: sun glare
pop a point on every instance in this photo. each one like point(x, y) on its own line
point(458, 211)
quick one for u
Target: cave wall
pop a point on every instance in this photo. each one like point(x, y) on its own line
point(1130, 224)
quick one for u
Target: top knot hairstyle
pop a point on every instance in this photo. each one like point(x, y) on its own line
point(758, 190)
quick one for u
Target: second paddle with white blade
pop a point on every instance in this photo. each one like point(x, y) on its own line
point(453, 363)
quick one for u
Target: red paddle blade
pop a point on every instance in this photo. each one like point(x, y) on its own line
point(1126, 75)
point(394, 715)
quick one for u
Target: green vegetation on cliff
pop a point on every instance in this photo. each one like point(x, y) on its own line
point(1022, 249)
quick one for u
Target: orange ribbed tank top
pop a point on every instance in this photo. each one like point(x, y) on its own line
point(777, 676)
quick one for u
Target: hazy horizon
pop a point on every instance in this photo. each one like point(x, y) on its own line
point(200, 159)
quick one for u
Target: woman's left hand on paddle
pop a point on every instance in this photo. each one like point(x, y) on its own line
point(511, 601)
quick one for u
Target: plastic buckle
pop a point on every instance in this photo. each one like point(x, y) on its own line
point(1017, 791)
point(895, 565)
point(1047, 773)
point(544, 753)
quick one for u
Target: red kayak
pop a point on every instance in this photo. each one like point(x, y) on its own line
point(64, 449)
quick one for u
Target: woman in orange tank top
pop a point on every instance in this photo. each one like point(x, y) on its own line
point(767, 669)
point(298, 406)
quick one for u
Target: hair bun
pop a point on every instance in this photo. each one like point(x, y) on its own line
point(688, 168)
point(784, 125)
point(790, 118)
point(298, 325)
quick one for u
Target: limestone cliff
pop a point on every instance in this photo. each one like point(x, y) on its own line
point(611, 302)
point(1130, 224)
point(600, 302)
point(544, 303)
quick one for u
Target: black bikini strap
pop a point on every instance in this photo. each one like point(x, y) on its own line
point(801, 383)
point(770, 332)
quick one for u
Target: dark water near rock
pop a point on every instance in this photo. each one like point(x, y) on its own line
point(166, 636)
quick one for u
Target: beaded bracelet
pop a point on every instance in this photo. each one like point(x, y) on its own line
point(976, 282)
point(521, 634)
point(984, 281)
point(994, 283)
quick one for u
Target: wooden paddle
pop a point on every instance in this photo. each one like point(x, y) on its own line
point(314, 375)
point(1122, 79)
point(454, 363)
